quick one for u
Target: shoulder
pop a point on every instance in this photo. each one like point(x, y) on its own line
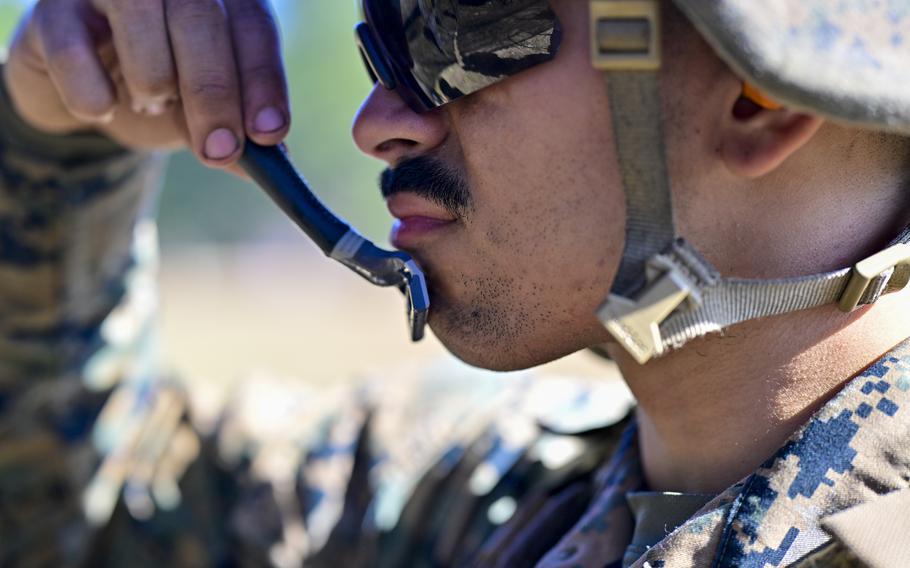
point(439, 453)
point(466, 451)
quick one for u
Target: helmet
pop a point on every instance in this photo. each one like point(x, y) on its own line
point(844, 60)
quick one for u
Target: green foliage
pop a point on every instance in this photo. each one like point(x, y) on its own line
point(327, 83)
point(9, 13)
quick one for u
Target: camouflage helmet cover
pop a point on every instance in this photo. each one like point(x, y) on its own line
point(848, 60)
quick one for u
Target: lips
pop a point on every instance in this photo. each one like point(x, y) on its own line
point(417, 219)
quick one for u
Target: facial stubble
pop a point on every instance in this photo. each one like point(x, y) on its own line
point(480, 318)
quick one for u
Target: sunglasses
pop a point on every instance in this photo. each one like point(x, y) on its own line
point(432, 52)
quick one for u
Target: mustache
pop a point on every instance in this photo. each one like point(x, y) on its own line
point(430, 179)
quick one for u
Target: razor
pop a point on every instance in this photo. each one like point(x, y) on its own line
point(272, 170)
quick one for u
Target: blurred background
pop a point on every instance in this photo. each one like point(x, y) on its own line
point(243, 292)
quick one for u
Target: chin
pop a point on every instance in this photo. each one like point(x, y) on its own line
point(491, 358)
point(504, 352)
point(501, 322)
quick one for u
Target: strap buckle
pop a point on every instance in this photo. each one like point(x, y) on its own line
point(625, 35)
point(867, 271)
point(635, 323)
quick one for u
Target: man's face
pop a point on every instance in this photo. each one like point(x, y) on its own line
point(511, 201)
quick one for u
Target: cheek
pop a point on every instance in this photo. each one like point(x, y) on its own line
point(521, 281)
point(549, 212)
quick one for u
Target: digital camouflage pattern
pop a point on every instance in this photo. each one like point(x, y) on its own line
point(852, 450)
point(466, 51)
point(101, 465)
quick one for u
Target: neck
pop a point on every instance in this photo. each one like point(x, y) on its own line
point(712, 412)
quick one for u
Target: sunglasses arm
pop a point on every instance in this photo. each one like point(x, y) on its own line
point(272, 170)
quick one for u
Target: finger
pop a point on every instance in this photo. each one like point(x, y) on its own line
point(144, 52)
point(143, 131)
point(31, 90)
point(72, 61)
point(209, 86)
point(257, 47)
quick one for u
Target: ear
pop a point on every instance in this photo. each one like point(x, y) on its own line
point(756, 140)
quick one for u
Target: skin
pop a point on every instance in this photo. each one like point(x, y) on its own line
point(516, 279)
point(153, 74)
point(762, 193)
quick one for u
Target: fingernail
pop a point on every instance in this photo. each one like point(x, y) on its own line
point(268, 120)
point(220, 144)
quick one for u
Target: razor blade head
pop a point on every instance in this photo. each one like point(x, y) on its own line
point(388, 268)
point(415, 289)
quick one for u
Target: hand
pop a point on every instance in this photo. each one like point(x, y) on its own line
point(153, 73)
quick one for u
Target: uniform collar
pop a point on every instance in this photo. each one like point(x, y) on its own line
point(853, 449)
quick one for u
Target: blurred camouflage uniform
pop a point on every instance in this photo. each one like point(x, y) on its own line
point(99, 463)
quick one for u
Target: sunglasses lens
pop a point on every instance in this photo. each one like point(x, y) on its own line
point(366, 63)
point(439, 50)
point(374, 61)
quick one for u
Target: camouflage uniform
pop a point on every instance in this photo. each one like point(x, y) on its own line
point(85, 414)
point(99, 463)
point(854, 449)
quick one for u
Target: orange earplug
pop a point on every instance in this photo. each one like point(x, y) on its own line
point(759, 98)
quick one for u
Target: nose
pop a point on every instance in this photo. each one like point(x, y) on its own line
point(387, 129)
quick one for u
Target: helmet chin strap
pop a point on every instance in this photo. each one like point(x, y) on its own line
point(665, 293)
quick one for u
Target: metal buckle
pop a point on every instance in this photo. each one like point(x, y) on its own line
point(866, 271)
point(625, 35)
point(636, 323)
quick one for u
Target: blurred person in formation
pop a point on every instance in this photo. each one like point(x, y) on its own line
point(714, 191)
